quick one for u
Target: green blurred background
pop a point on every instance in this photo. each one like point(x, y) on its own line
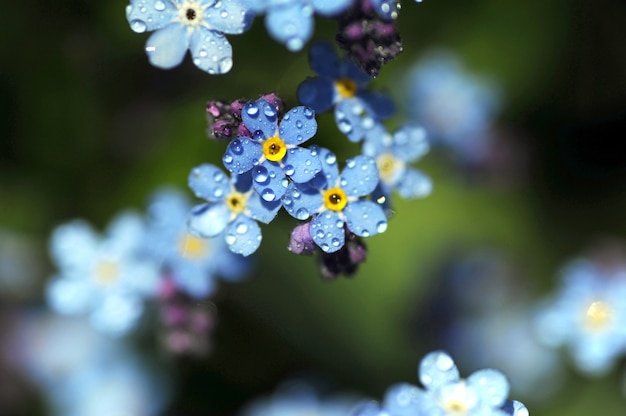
point(88, 128)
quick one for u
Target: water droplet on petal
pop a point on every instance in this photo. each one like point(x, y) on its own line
point(236, 147)
point(268, 195)
point(444, 362)
point(225, 65)
point(289, 170)
point(253, 110)
point(299, 124)
point(294, 44)
point(335, 242)
point(365, 233)
point(308, 113)
point(259, 174)
point(242, 228)
point(218, 192)
point(159, 5)
point(302, 214)
point(331, 159)
point(381, 226)
point(218, 176)
point(269, 112)
point(230, 239)
point(227, 159)
point(224, 14)
point(138, 25)
point(350, 163)
point(344, 126)
point(325, 247)
point(320, 234)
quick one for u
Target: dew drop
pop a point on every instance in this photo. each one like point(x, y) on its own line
point(320, 234)
point(367, 123)
point(224, 14)
point(228, 159)
point(302, 213)
point(268, 195)
point(325, 247)
point(308, 162)
point(287, 201)
point(260, 174)
point(295, 44)
point(218, 176)
point(444, 362)
point(159, 5)
point(308, 113)
point(365, 233)
point(339, 224)
point(269, 112)
point(252, 110)
point(218, 192)
point(299, 124)
point(236, 147)
point(138, 25)
point(242, 228)
point(335, 242)
point(284, 183)
point(230, 239)
point(350, 163)
point(225, 65)
point(381, 227)
point(331, 159)
point(344, 126)
point(289, 170)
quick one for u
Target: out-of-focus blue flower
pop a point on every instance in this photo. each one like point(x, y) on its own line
point(194, 25)
point(483, 393)
point(456, 107)
point(106, 276)
point(333, 200)
point(290, 22)
point(193, 263)
point(273, 154)
point(387, 9)
point(341, 83)
point(232, 208)
point(393, 153)
point(588, 316)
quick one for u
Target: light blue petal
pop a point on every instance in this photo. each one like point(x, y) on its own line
point(149, 15)
point(414, 184)
point(491, 386)
point(262, 210)
point(302, 201)
point(260, 116)
point(330, 169)
point(302, 164)
point(74, 244)
point(290, 24)
point(317, 93)
point(256, 6)
point(377, 141)
point(69, 296)
point(211, 51)
point(228, 16)
point(242, 154)
point(410, 142)
point(370, 408)
point(519, 409)
point(167, 46)
point(124, 234)
point(209, 182)
point(141, 277)
point(436, 369)
point(365, 218)
point(269, 181)
point(208, 220)
point(377, 105)
point(298, 125)
point(195, 279)
point(359, 177)
point(324, 61)
point(330, 7)
point(243, 236)
point(351, 118)
point(327, 231)
point(117, 315)
point(403, 400)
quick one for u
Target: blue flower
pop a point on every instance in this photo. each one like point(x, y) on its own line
point(104, 277)
point(274, 153)
point(232, 208)
point(393, 153)
point(333, 200)
point(291, 21)
point(587, 316)
point(197, 25)
point(341, 83)
point(193, 262)
point(483, 393)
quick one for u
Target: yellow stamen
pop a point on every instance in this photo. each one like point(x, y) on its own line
point(236, 202)
point(388, 167)
point(597, 316)
point(192, 247)
point(274, 149)
point(106, 272)
point(335, 199)
point(346, 88)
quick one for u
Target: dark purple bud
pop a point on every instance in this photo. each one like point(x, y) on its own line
point(301, 241)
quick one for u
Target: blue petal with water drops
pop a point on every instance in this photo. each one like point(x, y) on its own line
point(330, 7)
point(349, 115)
point(377, 141)
point(377, 105)
point(242, 154)
point(269, 181)
point(403, 399)
point(410, 142)
point(436, 369)
point(298, 125)
point(414, 184)
point(166, 47)
point(211, 51)
point(317, 93)
point(365, 218)
point(301, 164)
point(261, 116)
point(243, 236)
point(228, 16)
point(256, 6)
point(290, 24)
point(149, 15)
point(208, 220)
point(491, 386)
point(327, 231)
point(330, 169)
point(323, 60)
point(209, 182)
point(262, 210)
point(359, 177)
point(302, 201)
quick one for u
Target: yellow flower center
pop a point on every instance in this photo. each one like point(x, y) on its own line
point(388, 167)
point(335, 199)
point(597, 316)
point(346, 88)
point(191, 13)
point(106, 272)
point(192, 247)
point(455, 407)
point(236, 202)
point(274, 149)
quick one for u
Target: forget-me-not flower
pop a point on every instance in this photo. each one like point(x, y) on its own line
point(334, 200)
point(193, 263)
point(195, 25)
point(274, 152)
point(232, 208)
point(291, 21)
point(105, 277)
point(341, 83)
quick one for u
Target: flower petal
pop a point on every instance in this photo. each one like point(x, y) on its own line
point(351, 118)
point(149, 15)
point(242, 154)
point(269, 181)
point(117, 315)
point(491, 386)
point(330, 7)
point(70, 296)
point(243, 236)
point(260, 116)
point(298, 125)
point(208, 220)
point(330, 169)
point(350, 70)
point(403, 399)
point(377, 105)
point(302, 164)
point(290, 24)
point(209, 182)
point(324, 61)
point(365, 218)
point(167, 46)
point(228, 16)
point(301, 201)
point(436, 369)
point(72, 244)
point(195, 278)
point(317, 93)
point(414, 184)
point(410, 142)
point(262, 210)
point(359, 177)
point(327, 231)
point(377, 141)
point(211, 51)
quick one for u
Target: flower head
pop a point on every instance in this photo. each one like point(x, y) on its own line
point(273, 153)
point(195, 25)
point(232, 207)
